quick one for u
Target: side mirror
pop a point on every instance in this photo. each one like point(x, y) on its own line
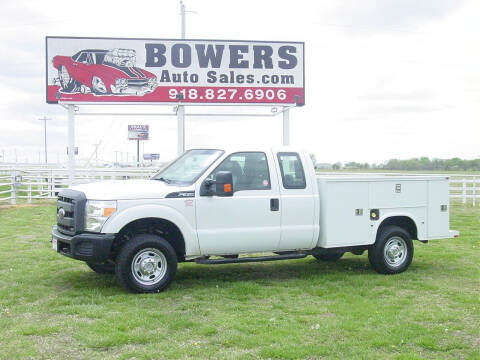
point(224, 184)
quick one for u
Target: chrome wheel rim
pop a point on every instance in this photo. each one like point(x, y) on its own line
point(64, 76)
point(149, 266)
point(98, 85)
point(395, 251)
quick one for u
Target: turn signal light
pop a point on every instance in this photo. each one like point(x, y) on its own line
point(108, 211)
point(227, 188)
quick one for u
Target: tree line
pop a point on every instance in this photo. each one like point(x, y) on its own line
point(424, 163)
point(421, 163)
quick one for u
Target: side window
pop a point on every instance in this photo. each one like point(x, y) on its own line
point(249, 170)
point(82, 57)
point(293, 176)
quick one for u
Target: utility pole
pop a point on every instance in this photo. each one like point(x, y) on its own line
point(116, 156)
point(45, 119)
point(96, 153)
point(181, 108)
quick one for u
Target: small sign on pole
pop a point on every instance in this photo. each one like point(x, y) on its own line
point(138, 132)
point(151, 157)
point(76, 150)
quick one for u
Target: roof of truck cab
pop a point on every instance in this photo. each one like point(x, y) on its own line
point(254, 149)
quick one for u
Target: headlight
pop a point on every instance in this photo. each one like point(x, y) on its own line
point(121, 82)
point(97, 213)
point(152, 82)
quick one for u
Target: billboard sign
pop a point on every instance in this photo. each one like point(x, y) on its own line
point(172, 71)
point(75, 151)
point(151, 157)
point(138, 132)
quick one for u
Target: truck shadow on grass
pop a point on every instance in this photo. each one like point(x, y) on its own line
point(296, 273)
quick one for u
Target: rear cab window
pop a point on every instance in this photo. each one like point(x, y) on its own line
point(291, 168)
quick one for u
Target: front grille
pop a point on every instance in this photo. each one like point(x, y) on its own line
point(137, 82)
point(70, 211)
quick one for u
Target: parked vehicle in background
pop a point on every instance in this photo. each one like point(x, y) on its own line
point(211, 206)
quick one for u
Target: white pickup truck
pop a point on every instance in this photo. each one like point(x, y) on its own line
point(211, 206)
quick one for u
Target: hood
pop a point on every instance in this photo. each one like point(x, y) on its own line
point(126, 189)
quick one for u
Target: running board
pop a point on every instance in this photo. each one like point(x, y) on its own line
point(250, 259)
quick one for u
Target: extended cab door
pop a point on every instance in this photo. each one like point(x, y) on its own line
point(248, 221)
point(298, 201)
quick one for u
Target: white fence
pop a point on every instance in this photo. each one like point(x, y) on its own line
point(44, 183)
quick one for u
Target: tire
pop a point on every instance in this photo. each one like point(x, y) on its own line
point(102, 268)
point(145, 264)
point(392, 253)
point(67, 83)
point(328, 257)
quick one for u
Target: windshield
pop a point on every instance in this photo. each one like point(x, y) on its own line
point(188, 167)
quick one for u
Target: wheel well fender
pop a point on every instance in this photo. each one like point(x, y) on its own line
point(164, 216)
point(403, 221)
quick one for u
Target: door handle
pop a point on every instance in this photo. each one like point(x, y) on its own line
point(274, 204)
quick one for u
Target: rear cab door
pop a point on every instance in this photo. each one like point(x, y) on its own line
point(298, 200)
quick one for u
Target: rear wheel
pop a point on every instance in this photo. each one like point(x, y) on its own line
point(392, 253)
point(98, 86)
point(328, 257)
point(147, 263)
point(102, 268)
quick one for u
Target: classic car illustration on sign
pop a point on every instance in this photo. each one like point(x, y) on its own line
point(103, 72)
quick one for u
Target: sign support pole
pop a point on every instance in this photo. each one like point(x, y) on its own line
point(286, 126)
point(138, 153)
point(181, 108)
point(71, 144)
point(181, 129)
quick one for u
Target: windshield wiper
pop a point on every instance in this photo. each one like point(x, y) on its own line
point(168, 181)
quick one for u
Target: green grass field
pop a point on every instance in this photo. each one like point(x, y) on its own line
point(53, 307)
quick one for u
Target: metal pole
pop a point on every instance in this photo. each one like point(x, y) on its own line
point(181, 129)
point(286, 126)
point(138, 153)
point(181, 108)
point(96, 153)
point(182, 13)
point(45, 138)
point(71, 144)
point(44, 119)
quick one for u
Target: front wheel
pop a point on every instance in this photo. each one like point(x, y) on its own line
point(67, 83)
point(147, 263)
point(98, 86)
point(392, 253)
